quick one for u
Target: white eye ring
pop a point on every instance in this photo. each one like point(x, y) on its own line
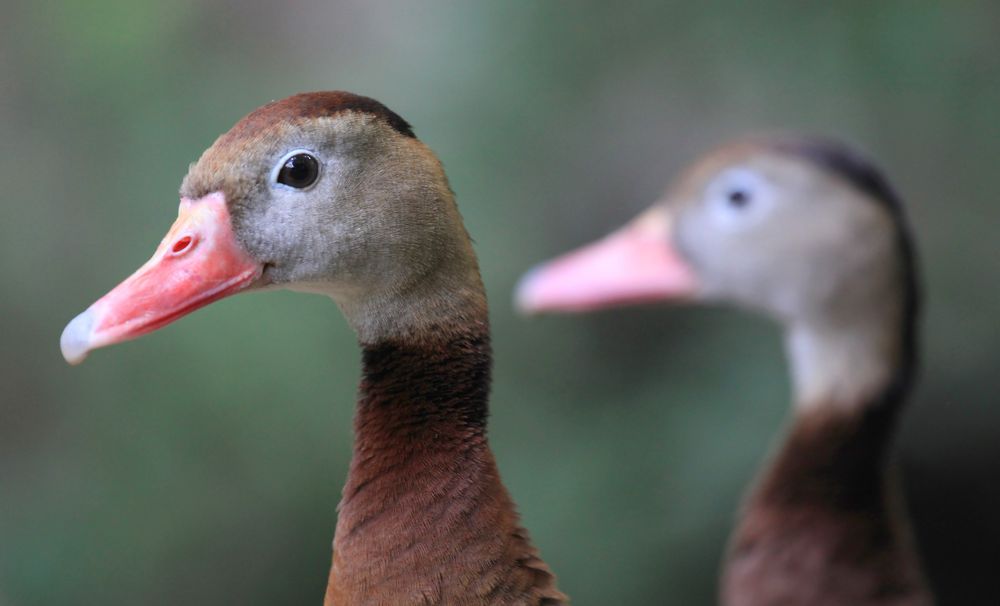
point(739, 197)
point(281, 164)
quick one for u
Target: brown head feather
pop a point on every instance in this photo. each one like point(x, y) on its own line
point(304, 106)
point(234, 162)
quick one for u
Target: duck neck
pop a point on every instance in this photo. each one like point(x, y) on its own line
point(850, 364)
point(850, 379)
point(827, 506)
point(424, 516)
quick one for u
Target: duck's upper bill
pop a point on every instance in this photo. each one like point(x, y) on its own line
point(199, 261)
point(636, 264)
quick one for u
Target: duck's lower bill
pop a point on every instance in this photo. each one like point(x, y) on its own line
point(198, 262)
point(636, 264)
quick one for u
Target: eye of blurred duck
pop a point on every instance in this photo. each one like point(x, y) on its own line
point(738, 198)
point(299, 171)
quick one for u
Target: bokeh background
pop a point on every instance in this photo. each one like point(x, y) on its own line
point(203, 464)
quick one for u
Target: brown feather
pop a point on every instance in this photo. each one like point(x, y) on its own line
point(307, 106)
point(823, 525)
point(425, 518)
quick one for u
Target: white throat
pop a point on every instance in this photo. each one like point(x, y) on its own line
point(842, 364)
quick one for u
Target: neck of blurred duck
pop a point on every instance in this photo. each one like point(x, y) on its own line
point(826, 500)
point(850, 380)
point(848, 363)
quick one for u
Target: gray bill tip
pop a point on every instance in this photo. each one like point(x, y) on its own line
point(524, 291)
point(76, 337)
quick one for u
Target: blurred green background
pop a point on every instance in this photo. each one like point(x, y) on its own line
point(203, 464)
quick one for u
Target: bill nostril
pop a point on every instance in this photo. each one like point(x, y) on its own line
point(182, 245)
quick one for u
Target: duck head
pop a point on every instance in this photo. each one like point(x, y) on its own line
point(322, 192)
point(801, 229)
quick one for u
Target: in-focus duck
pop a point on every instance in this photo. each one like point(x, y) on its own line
point(332, 193)
point(808, 232)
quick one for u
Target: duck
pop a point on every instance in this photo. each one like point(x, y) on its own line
point(809, 232)
point(332, 193)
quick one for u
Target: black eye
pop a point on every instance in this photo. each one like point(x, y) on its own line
point(300, 171)
point(738, 198)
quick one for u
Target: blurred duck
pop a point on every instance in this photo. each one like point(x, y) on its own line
point(809, 233)
point(332, 193)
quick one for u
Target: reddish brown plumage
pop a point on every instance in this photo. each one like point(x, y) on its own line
point(824, 526)
point(424, 518)
point(324, 104)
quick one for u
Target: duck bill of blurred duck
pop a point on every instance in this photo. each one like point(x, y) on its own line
point(634, 265)
point(198, 262)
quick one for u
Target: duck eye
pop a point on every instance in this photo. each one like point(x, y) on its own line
point(299, 171)
point(738, 198)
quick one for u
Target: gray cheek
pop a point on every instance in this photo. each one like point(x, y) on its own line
point(249, 232)
point(694, 240)
point(686, 238)
point(316, 237)
point(727, 266)
point(268, 231)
